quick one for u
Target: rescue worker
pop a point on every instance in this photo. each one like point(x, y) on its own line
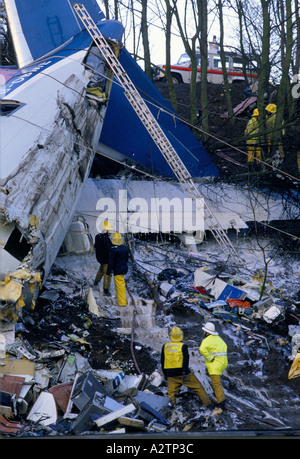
point(252, 139)
point(118, 265)
point(214, 350)
point(97, 86)
point(102, 246)
point(271, 110)
point(175, 367)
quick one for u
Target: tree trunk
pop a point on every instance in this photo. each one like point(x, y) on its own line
point(191, 51)
point(297, 57)
point(284, 85)
point(106, 9)
point(168, 76)
point(193, 86)
point(223, 61)
point(144, 28)
point(116, 10)
point(264, 66)
point(239, 5)
point(203, 60)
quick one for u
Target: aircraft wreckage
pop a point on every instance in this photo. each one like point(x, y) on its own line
point(47, 147)
point(60, 106)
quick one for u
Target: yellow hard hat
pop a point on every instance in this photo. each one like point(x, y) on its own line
point(272, 108)
point(176, 334)
point(106, 226)
point(117, 239)
point(255, 112)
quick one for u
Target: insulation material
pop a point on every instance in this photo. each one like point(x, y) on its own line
point(294, 371)
point(12, 292)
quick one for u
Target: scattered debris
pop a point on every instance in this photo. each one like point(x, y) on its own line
point(76, 365)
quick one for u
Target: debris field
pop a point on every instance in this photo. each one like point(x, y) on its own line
point(78, 366)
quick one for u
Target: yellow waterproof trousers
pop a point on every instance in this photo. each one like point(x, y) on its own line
point(254, 153)
point(102, 273)
point(190, 381)
point(120, 289)
point(217, 387)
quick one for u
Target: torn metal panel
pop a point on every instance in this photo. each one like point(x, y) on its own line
point(250, 102)
point(215, 287)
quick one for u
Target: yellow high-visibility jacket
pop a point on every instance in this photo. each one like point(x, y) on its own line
point(214, 350)
point(175, 359)
point(251, 131)
point(270, 123)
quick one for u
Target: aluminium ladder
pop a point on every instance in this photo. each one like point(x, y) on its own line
point(154, 129)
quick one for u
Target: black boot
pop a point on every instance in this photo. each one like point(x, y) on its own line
point(106, 292)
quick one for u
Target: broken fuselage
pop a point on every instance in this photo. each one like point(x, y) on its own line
point(49, 132)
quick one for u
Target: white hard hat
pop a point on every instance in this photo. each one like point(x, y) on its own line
point(210, 328)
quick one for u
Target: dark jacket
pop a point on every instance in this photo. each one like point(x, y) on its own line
point(118, 260)
point(172, 372)
point(102, 247)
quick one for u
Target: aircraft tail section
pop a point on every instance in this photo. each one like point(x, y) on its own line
point(123, 132)
point(39, 27)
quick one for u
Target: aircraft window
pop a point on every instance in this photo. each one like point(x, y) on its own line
point(8, 106)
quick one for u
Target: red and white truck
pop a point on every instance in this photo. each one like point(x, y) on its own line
point(181, 72)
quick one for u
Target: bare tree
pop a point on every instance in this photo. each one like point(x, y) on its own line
point(286, 59)
point(190, 44)
point(223, 61)
point(296, 68)
point(240, 13)
point(172, 93)
point(145, 36)
point(264, 71)
point(203, 60)
point(106, 7)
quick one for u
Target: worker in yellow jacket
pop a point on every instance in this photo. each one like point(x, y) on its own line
point(271, 110)
point(175, 366)
point(252, 139)
point(214, 350)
